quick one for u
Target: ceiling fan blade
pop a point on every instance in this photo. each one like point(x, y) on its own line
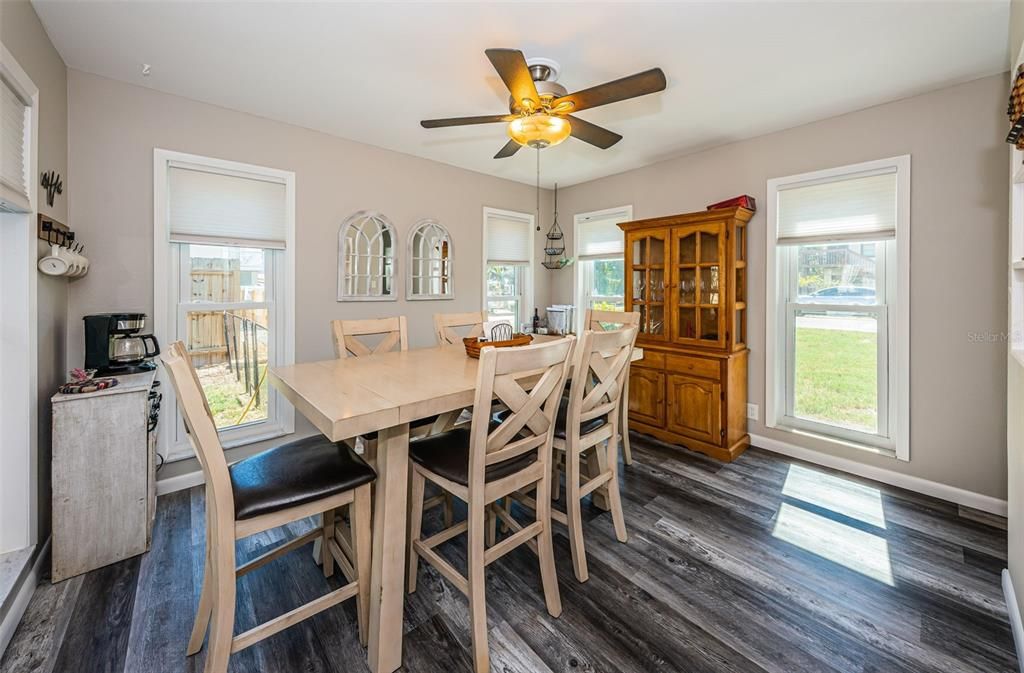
point(592, 133)
point(510, 148)
point(465, 121)
point(511, 67)
point(640, 84)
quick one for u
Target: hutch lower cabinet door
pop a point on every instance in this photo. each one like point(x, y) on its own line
point(686, 276)
point(695, 408)
point(647, 396)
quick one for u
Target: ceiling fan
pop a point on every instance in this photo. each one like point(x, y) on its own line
point(540, 109)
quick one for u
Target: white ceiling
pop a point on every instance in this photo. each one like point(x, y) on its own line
point(371, 71)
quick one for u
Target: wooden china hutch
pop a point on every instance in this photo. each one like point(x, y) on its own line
point(687, 277)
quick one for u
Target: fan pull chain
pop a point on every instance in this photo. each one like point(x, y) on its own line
point(538, 189)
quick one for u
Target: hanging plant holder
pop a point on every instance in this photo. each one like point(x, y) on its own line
point(554, 249)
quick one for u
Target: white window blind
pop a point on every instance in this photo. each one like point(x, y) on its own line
point(599, 238)
point(848, 209)
point(509, 241)
point(225, 209)
point(14, 140)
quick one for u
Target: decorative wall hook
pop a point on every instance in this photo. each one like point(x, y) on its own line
point(53, 186)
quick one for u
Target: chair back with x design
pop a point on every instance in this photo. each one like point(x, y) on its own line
point(600, 320)
point(392, 332)
point(445, 325)
point(599, 377)
point(529, 381)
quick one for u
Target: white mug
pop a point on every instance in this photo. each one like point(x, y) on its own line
point(63, 262)
point(54, 264)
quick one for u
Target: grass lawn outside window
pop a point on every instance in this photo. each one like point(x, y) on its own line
point(836, 372)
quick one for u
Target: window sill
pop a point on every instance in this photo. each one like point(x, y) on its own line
point(838, 442)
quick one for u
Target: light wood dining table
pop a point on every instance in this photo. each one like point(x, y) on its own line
point(383, 393)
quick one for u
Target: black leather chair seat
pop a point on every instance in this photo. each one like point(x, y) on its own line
point(295, 473)
point(586, 427)
point(419, 423)
point(447, 455)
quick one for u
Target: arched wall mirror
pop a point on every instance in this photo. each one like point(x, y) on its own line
point(366, 258)
point(430, 262)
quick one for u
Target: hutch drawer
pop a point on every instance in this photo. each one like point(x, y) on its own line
point(708, 368)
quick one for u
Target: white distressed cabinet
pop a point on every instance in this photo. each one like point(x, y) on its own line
point(104, 476)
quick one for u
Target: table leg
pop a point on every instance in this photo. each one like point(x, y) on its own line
point(387, 577)
point(600, 496)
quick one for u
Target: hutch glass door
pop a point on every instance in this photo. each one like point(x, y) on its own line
point(648, 259)
point(699, 288)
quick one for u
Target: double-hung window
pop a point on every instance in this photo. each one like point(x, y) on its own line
point(838, 311)
point(16, 114)
point(225, 235)
point(508, 265)
point(600, 268)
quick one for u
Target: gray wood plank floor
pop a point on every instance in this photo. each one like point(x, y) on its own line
point(762, 565)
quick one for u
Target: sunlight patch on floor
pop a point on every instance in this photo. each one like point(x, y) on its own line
point(855, 549)
point(836, 494)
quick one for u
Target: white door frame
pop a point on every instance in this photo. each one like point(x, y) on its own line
point(19, 393)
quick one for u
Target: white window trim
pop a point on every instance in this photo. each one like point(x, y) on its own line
point(577, 277)
point(19, 445)
point(165, 301)
point(898, 407)
point(528, 299)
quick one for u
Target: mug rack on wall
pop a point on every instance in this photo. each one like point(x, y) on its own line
point(66, 256)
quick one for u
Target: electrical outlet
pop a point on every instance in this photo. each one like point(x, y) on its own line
point(752, 412)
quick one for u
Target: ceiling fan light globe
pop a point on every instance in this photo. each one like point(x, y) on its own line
point(539, 130)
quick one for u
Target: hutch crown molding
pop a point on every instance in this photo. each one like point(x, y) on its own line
point(686, 276)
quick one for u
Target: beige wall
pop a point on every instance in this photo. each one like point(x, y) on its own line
point(1015, 393)
point(958, 251)
point(23, 35)
point(114, 128)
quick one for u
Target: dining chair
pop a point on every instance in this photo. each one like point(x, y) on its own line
point(445, 324)
point(487, 461)
point(391, 335)
point(587, 429)
point(590, 425)
point(291, 482)
point(597, 319)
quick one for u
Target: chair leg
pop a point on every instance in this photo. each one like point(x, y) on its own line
point(327, 524)
point(614, 497)
point(556, 475)
point(370, 451)
point(449, 510)
point(545, 549)
point(362, 539)
point(627, 453)
point(492, 525)
point(318, 550)
point(222, 622)
point(202, 621)
point(507, 504)
point(417, 486)
point(477, 596)
point(574, 515)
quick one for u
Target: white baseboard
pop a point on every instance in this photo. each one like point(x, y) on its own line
point(935, 489)
point(10, 622)
point(1013, 610)
point(179, 483)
